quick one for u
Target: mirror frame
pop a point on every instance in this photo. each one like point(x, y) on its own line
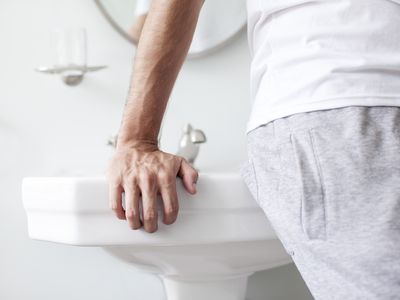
point(122, 32)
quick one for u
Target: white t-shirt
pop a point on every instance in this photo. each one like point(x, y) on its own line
point(322, 54)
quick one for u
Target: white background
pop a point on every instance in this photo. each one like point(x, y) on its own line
point(47, 128)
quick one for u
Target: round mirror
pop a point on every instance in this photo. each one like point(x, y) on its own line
point(219, 21)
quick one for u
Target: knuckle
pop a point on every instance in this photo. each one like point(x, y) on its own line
point(144, 173)
point(150, 215)
point(147, 178)
point(131, 179)
point(112, 174)
point(165, 177)
point(171, 210)
point(171, 214)
point(131, 214)
point(114, 183)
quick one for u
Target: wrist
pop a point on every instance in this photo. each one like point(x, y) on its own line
point(137, 135)
point(147, 145)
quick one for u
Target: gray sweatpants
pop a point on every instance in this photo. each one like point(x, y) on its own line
point(329, 182)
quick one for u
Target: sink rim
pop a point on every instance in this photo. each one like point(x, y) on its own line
point(72, 210)
point(210, 185)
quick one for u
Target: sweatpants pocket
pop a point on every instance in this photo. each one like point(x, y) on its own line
point(309, 178)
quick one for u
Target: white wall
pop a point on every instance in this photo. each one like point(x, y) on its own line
point(47, 128)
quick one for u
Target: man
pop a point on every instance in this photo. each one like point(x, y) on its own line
point(323, 136)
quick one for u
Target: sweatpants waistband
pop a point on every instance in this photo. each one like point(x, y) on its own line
point(349, 117)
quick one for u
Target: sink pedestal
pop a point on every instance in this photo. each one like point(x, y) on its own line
point(231, 288)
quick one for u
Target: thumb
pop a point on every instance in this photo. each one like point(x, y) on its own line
point(189, 176)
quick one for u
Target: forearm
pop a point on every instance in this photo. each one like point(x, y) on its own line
point(162, 49)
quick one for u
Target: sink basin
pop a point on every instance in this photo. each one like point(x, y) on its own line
point(220, 238)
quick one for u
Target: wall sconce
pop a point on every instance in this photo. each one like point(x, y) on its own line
point(69, 50)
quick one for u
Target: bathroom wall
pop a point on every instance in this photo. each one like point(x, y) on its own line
point(47, 128)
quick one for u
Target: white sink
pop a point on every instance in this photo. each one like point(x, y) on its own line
point(220, 238)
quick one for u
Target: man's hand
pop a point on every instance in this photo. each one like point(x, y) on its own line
point(141, 172)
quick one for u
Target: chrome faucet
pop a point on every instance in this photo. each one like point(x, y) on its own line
point(188, 145)
point(112, 141)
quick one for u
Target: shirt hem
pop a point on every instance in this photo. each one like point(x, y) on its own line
point(259, 117)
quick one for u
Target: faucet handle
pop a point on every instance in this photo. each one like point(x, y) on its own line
point(197, 136)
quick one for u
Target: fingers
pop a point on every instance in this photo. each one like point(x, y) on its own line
point(115, 198)
point(148, 187)
point(140, 175)
point(132, 212)
point(189, 176)
point(167, 186)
